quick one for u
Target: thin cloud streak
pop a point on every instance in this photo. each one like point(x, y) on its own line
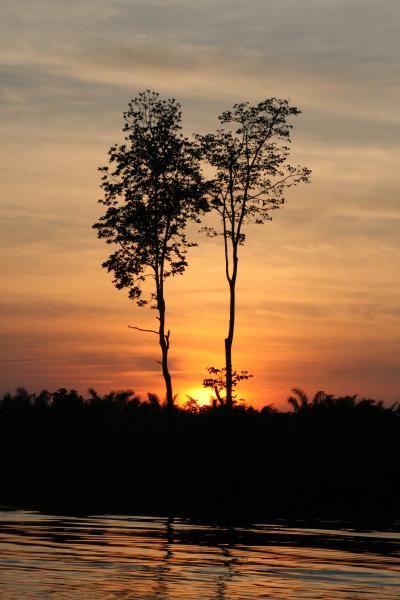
point(318, 287)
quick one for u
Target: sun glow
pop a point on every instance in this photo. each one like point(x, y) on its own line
point(202, 395)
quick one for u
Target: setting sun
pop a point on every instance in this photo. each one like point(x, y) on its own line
point(202, 395)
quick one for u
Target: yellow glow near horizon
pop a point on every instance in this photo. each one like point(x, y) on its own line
point(202, 395)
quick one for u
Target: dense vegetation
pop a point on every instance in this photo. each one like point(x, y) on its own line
point(330, 457)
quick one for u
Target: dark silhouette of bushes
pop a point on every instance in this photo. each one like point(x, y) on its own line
point(326, 458)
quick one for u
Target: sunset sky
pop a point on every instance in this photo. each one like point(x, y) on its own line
point(319, 286)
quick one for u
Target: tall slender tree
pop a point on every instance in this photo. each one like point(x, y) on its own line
point(152, 188)
point(249, 157)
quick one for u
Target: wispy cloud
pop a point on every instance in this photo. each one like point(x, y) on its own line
point(320, 276)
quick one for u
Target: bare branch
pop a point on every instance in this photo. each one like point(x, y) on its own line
point(265, 190)
point(145, 330)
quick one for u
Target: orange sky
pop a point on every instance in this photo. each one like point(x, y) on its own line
point(318, 290)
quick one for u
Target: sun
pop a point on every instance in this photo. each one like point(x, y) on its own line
point(202, 395)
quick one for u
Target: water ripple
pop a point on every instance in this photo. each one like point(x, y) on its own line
point(147, 558)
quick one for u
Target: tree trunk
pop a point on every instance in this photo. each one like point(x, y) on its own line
point(231, 330)
point(164, 344)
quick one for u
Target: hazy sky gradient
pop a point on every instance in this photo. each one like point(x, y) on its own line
point(318, 291)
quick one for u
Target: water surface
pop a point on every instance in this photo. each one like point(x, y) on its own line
point(146, 558)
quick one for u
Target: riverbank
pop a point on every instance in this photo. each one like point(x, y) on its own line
point(338, 458)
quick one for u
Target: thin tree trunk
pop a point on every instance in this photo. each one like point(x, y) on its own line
point(231, 331)
point(164, 344)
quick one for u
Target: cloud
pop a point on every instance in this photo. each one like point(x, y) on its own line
point(110, 362)
point(55, 308)
point(372, 372)
point(82, 62)
point(327, 263)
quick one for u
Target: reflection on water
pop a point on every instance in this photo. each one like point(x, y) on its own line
point(146, 558)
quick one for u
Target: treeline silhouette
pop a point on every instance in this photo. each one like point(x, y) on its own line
point(329, 457)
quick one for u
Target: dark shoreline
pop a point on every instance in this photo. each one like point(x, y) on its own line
point(336, 459)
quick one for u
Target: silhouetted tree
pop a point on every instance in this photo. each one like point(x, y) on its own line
point(153, 400)
point(42, 399)
point(217, 382)
point(249, 158)
point(299, 400)
point(191, 405)
point(23, 398)
point(64, 399)
point(152, 188)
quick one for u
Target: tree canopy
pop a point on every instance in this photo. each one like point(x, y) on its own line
point(153, 188)
point(249, 156)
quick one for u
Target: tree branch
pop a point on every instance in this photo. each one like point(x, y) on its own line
point(145, 330)
point(265, 190)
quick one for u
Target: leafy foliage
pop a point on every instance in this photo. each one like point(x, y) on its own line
point(249, 155)
point(152, 188)
point(217, 382)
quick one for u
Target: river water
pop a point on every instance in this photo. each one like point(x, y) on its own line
point(146, 558)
